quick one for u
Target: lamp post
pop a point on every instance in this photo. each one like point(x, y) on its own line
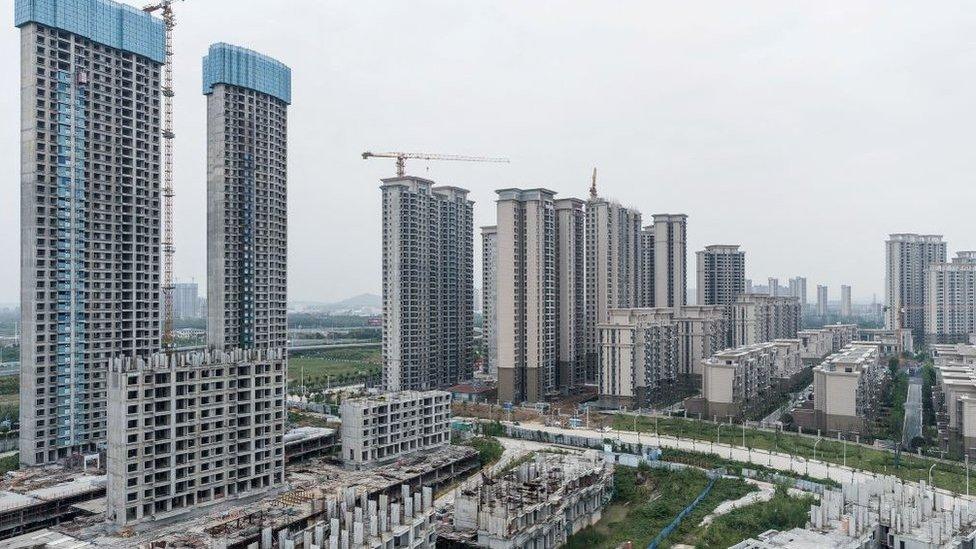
point(930, 475)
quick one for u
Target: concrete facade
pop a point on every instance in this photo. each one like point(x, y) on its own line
point(90, 215)
point(540, 303)
point(757, 318)
point(950, 300)
point(489, 294)
point(247, 200)
point(613, 263)
point(383, 428)
point(539, 504)
point(428, 285)
point(192, 429)
point(907, 258)
point(721, 274)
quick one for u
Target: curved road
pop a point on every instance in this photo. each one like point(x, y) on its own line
point(913, 413)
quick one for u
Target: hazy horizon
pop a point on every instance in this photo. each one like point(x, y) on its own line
point(805, 132)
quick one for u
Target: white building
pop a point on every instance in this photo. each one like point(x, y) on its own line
point(950, 300)
point(670, 250)
point(192, 429)
point(798, 289)
point(380, 429)
point(847, 389)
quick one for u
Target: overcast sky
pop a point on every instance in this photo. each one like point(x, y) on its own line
point(804, 131)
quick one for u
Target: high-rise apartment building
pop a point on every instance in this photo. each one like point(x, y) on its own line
point(721, 274)
point(821, 300)
point(907, 258)
point(758, 318)
point(613, 262)
point(247, 228)
point(950, 301)
point(540, 294)
point(428, 284)
point(186, 300)
point(798, 289)
point(90, 212)
point(670, 260)
point(646, 271)
point(489, 273)
point(749, 287)
point(846, 309)
point(773, 284)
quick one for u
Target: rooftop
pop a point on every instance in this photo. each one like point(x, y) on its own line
point(237, 66)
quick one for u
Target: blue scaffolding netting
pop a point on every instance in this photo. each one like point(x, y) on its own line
point(237, 66)
point(104, 21)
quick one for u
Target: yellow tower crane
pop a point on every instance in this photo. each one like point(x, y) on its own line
point(165, 7)
point(401, 158)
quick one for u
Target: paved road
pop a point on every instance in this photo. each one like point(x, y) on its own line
point(913, 413)
point(773, 460)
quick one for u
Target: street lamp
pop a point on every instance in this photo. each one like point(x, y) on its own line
point(930, 475)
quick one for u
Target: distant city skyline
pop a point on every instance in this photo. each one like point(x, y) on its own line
point(801, 146)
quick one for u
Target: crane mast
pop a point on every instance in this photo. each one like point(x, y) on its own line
point(168, 249)
point(401, 157)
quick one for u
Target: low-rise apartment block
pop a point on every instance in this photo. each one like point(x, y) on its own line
point(737, 380)
point(894, 342)
point(847, 388)
point(954, 394)
point(190, 429)
point(757, 318)
point(644, 352)
point(379, 429)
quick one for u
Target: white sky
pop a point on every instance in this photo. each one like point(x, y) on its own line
point(804, 131)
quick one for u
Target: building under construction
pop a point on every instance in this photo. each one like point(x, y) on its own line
point(537, 504)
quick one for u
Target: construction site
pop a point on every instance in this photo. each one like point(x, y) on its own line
point(73, 507)
point(539, 503)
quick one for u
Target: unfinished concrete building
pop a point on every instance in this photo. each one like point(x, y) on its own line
point(538, 504)
point(379, 429)
point(247, 188)
point(884, 512)
point(90, 212)
point(192, 429)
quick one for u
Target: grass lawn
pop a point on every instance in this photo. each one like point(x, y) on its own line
point(912, 468)
point(341, 364)
point(782, 512)
point(646, 500)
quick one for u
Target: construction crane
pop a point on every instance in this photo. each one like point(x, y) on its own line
point(401, 158)
point(165, 7)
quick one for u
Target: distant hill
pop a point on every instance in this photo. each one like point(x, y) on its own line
point(360, 301)
point(361, 305)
